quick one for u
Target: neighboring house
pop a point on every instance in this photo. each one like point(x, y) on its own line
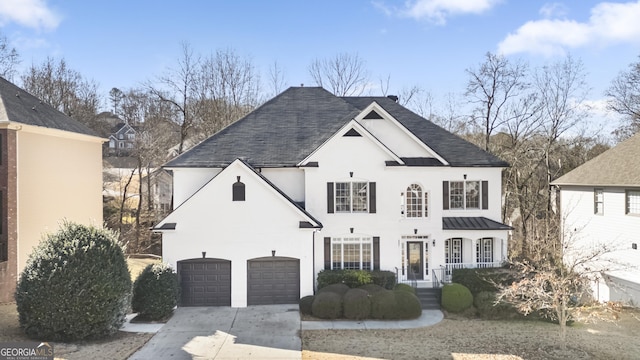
point(310, 181)
point(161, 184)
point(122, 140)
point(50, 170)
point(600, 203)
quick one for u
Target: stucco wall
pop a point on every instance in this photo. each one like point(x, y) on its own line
point(58, 178)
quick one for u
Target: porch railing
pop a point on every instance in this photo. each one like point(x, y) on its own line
point(447, 269)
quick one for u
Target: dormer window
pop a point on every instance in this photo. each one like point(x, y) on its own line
point(238, 190)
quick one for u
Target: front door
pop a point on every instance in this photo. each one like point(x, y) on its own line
point(414, 260)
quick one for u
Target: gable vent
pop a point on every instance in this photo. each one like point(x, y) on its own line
point(372, 115)
point(352, 132)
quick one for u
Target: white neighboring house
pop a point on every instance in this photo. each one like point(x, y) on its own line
point(310, 181)
point(600, 202)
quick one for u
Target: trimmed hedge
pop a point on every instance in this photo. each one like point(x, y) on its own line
point(356, 304)
point(327, 305)
point(405, 287)
point(408, 305)
point(75, 286)
point(356, 278)
point(155, 292)
point(339, 289)
point(372, 288)
point(456, 298)
point(479, 280)
point(305, 304)
point(384, 305)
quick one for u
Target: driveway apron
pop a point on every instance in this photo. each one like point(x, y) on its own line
point(254, 332)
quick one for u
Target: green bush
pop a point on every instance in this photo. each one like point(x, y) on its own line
point(384, 305)
point(372, 288)
point(356, 304)
point(405, 287)
point(327, 305)
point(350, 278)
point(339, 289)
point(386, 279)
point(408, 304)
point(76, 285)
point(305, 304)
point(155, 292)
point(456, 298)
point(479, 280)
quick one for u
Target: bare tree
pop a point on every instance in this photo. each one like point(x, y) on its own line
point(276, 78)
point(115, 96)
point(65, 89)
point(178, 87)
point(491, 87)
point(624, 98)
point(9, 59)
point(344, 74)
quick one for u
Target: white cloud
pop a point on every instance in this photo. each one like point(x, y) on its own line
point(30, 13)
point(551, 10)
point(609, 23)
point(438, 11)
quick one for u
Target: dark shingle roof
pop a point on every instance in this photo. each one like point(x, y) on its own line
point(472, 223)
point(289, 127)
point(24, 108)
point(617, 166)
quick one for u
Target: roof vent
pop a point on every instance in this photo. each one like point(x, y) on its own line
point(393, 97)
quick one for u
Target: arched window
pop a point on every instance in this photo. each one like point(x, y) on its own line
point(238, 191)
point(415, 201)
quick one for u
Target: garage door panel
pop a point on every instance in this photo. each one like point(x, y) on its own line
point(273, 281)
point(205, 282)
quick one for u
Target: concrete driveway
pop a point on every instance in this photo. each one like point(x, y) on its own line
point(254, 332)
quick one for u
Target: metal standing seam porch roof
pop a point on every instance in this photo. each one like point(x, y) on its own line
point(472, 223)
point(286, 129)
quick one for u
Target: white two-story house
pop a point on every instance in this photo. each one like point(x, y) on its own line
point(600, 204)
point(311, 181)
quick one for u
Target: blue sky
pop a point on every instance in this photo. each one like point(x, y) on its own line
point(428, 43)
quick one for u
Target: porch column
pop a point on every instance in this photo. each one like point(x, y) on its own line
point(473, 252)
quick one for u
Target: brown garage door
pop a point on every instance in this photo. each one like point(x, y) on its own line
point(273, 280)
point(205, 282)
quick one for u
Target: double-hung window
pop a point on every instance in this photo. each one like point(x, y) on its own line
point(598, 201)
point(351, 197)
point(353, 253)
point(632, 200)
point(460, 195)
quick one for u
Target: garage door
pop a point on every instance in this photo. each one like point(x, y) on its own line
point(273, 280)
point(205, 282)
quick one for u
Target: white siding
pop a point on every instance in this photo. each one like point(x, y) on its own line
point(289, 180)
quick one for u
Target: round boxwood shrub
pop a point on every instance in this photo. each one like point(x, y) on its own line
point(339, 289)
point(408, 305)
point(356, 304)
point(76, 285)
point(405, 287)
point(327, 305)
point(456, 298)
point(305, 304)
point(384, 305)
point(155, 292)
point(372, 288)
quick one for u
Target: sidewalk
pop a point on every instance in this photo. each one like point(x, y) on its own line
point(428, 318)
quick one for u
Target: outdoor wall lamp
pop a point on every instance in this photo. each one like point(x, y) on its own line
point(351, 230)
point(415, 231)
point(434, 242)
point(464, 176)
point(204, 254)
point(350, 173)
point(273, 253)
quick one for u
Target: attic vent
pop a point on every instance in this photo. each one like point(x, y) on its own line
point(373, 115)
point(352, 132)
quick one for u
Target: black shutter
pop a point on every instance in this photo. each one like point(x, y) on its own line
point(372, 197)
point(376, 253)
point(485, 195)
point(445, 195)
point(330, 207)
point(327, 253)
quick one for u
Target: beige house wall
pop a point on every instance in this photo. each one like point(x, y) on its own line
point(59, 177)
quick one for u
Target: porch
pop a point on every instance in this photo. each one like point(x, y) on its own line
point(441, 275)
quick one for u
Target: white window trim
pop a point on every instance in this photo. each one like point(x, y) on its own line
point(352, 239)
point(424, 201)
point(632, 209)
point(464, 195)
point(350, 195)
point(596, 201)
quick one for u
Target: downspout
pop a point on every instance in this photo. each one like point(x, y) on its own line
point(313, 260)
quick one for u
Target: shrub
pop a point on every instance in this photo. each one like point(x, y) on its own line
point(351, 278)
point(339, 289)
point(484, 304)
point(408, 304)
point(155, 292)
point(386, 279)
point(76, 285)
point(356, 304)
point(456, 298)
point(405, 287)
point(384, 305)
point(305, 304)
point(372, 288)
point(479, 280)
point(327, 305)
